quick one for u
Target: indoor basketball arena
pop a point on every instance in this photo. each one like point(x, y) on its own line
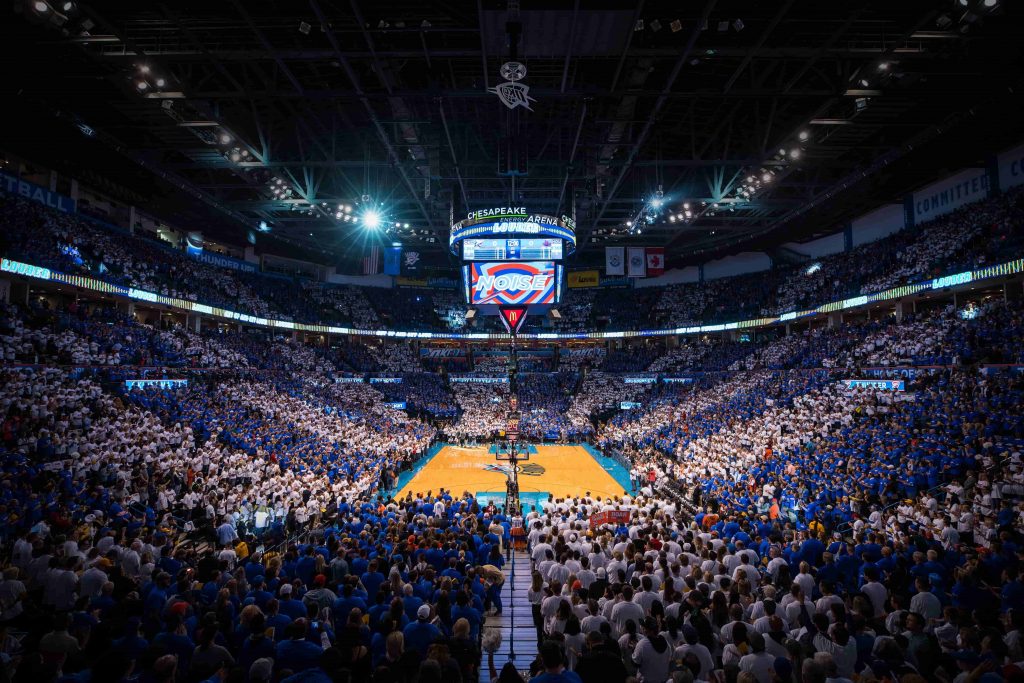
point(509, 341)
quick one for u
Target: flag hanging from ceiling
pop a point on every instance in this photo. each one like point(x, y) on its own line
point(371, 262)
point(411, 262)
point(615, 260)
point(636, 262)
point(393, 261)
point(655, 261)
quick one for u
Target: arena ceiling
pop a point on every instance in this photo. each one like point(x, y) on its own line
point(812, 107)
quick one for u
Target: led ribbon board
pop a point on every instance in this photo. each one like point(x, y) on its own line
point(512, 221)
point(882, 384)
point(520, 283)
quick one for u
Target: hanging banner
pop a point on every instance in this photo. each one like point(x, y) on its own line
point(392, 260)
point(655, 261)
point(411, 262)
point(579, 279)
point(615, 260)
point(636, 264)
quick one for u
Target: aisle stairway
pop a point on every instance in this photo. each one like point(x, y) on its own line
point(516, 621)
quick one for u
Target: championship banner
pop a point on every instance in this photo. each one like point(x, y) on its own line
point(614, 517)
point(615, 260)
point(655, 261)
point(636, 263)
point(584, 278)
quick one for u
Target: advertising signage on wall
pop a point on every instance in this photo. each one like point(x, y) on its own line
point(37, 193)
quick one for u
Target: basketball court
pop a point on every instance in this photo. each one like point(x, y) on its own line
point(561, 471)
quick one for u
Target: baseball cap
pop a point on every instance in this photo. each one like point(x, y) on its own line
point(602, 573)
point(423, 612)
point(286, 589)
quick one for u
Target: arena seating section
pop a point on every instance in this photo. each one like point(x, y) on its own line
point(243, 522)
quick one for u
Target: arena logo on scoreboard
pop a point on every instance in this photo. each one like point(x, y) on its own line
point(513, 220)
point(522, 282)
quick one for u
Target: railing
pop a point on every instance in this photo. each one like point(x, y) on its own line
point(86, 282)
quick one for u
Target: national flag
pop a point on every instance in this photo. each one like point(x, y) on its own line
point(655, 261)
point(371, 262)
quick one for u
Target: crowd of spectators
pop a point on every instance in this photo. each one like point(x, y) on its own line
point(781, 526)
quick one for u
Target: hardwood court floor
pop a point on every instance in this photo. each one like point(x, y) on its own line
point(560, 470)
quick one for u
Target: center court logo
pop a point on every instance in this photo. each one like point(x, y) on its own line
point(529, 469)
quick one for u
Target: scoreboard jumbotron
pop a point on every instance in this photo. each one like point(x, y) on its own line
point(512, 257)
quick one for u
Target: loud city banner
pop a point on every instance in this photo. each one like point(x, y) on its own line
point(522, 282)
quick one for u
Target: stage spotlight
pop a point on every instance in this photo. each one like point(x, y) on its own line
point(40, 7)
point(235, 156)
point(767, 177)
point(68, 6)
point(225, 139)
point(143, 68)
point(406, 226)
point(864, 83)
point(142, 85)
point(883, 66)
point(686, 205)
point(671, 218)
point(160, 82)
point(656, 202)
point(371, 219)
point(804, 135)
point(990, 4)
point(794, 153)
